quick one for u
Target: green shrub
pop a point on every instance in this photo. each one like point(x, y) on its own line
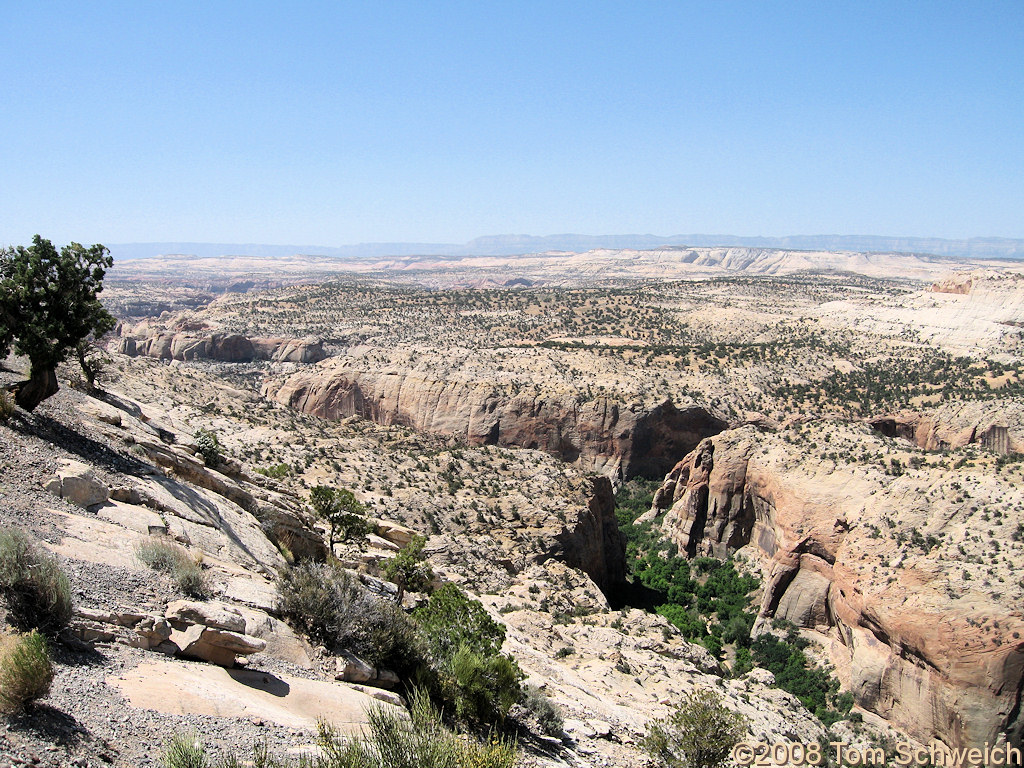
point(700, 733)
point(737, 629)
point(184, 750)
point(329, 605)
point(418, 741)
point(409, 568)
point(545, 711)
point(451, 620)
point(744, 662)
point(209, 447)
point(691, 624)
point(25, 670)
point(482, 688)
point(35, 589)
point(794, 672)
point(497, 752)
point(713, 644)
point(275, 471)
point(167, 557)
point(479, 681)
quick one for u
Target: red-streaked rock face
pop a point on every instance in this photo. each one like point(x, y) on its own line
point(609, 437)
point(832, 539)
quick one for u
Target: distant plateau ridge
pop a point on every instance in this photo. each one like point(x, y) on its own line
point(509, 245)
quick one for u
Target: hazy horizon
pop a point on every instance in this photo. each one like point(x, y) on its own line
point(505, 245)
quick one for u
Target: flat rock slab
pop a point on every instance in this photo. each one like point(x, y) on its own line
point(132, 517)
point(182, 688)
point(96, 541)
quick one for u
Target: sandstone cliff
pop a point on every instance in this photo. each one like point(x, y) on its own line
point(867, 560)
point(615, 439)
point(223, 347)
point(996, 425)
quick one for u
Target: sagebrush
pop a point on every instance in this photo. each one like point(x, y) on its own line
point(167, 557)
point(392, 739)
point(331, 606)
point(545, 711)
point(36, 591)
point(699, 733)
point(25, 670)
point(184, 750)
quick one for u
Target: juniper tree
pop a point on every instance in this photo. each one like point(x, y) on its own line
point(48, 304)
point(341, 510)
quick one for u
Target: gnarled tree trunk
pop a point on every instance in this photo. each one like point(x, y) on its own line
point(42, 383)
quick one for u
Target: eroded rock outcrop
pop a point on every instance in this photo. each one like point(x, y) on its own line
point(994, 425)
point(213, 632)
point(618, 440)
point(223, 347)
point(223, 509)
point(901, 638)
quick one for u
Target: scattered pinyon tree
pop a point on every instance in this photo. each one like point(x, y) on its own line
point(342, 511)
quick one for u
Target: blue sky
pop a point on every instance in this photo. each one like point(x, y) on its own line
point(332, 123)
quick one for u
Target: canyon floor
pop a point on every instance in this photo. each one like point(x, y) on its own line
point(848, 428)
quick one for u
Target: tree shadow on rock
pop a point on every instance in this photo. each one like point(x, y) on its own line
point(49, 724)
point(91, 451)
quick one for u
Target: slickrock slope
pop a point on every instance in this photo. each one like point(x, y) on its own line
point(94, 479)
point(970, 313)
point(615, 439)
point(904, 566)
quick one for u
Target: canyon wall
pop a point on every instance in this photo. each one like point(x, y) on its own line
point(594, 543)
point(222, 347)
point(614, 439)
point(900, 636)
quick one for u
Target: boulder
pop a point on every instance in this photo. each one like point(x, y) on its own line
point(387, 697)
point(393, 532)
point(217, 646)
point(77, 483)
point(181, 613)
point(352, 669)
point(133, 517)
point(379, 542)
